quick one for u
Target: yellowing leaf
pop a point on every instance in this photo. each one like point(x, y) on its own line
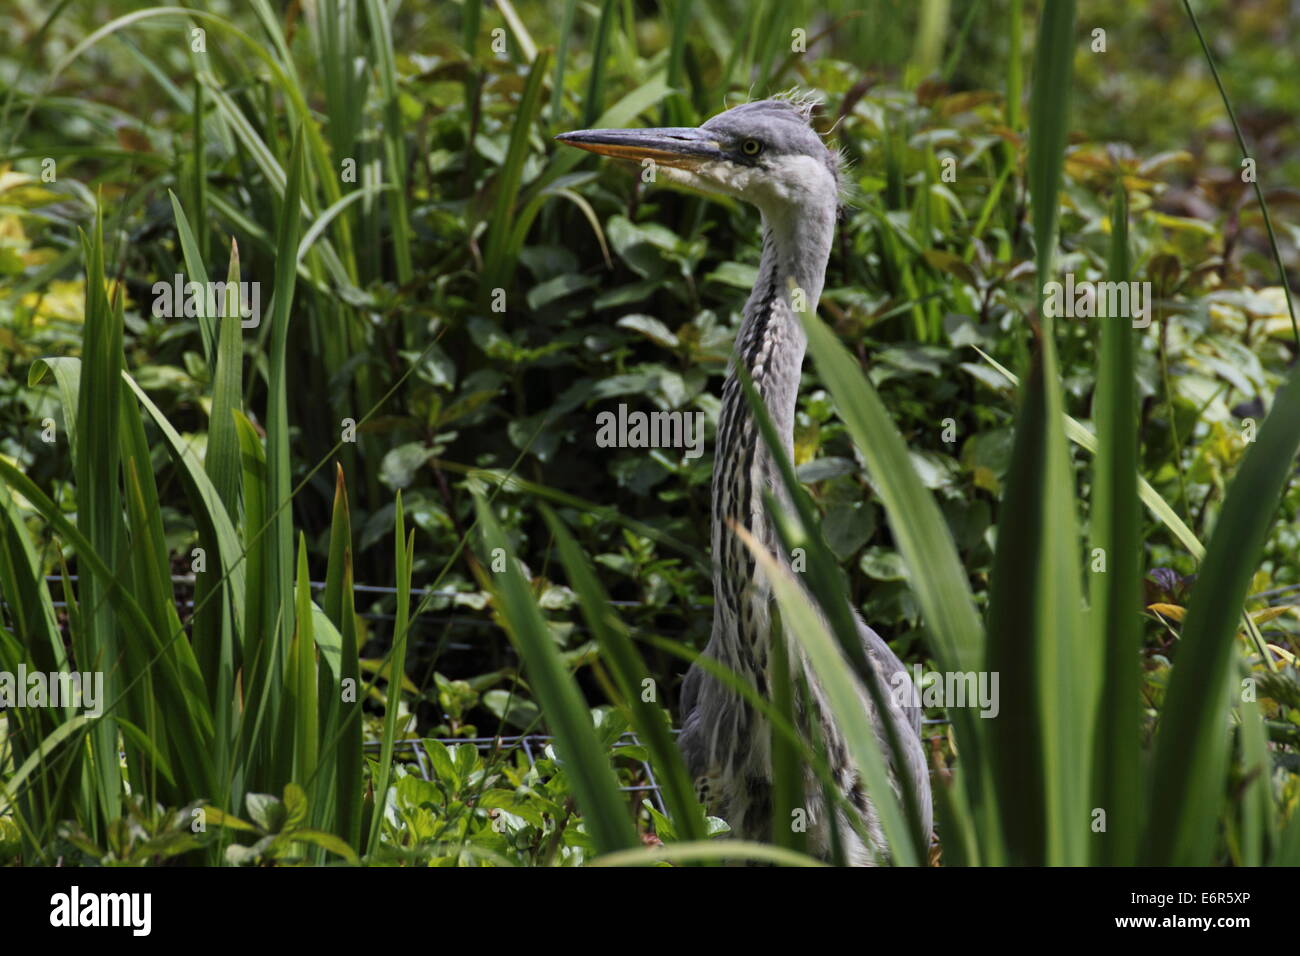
point(1270, 613)
point(1283, 653)
point(1171, 611)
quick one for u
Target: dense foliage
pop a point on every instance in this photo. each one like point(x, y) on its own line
point(473, 297)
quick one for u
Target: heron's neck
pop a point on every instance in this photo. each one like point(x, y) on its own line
point(770, 345)
point(791, 273)
point(796, 247)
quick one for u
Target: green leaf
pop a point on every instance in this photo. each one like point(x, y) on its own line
point(295, 806)
point(1036, 636)
point(1116, 589)
point(267, 811)
point(97, 464)
point(496, 257)
point(222, 459)
point(326, 841)
point(404, 556)
point(198, 272)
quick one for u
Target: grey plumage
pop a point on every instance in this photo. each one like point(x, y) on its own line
point(767, 153)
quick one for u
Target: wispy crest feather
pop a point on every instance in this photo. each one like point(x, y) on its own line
point(806, 104)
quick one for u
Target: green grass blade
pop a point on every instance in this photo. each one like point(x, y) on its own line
point(341, 731)
point(679, 108)
point(922, 534)
point(591, 106)
point(222, 460)
point(1116, 588)
point(198, 272)
point(279, 611)
point(1036, 642)
point(843, 695)
point(403, 556)
point(381, 40)
point(1257, 812)
point(515, 23)
point(788, 794)
point(38, 642)
point(199, 174)
point(827, 588)
point(99, 505)
point(496, 264)
point(585, 764)
point(258, 646)
point(152, 585)
point(14, 784)
point(205, 502)
point(629, 671)
point(954, 631)
point(174, 675)
point(561, 59)
point(1015, 65)
point(302, 705)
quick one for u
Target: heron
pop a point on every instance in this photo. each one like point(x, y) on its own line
point(767, 153)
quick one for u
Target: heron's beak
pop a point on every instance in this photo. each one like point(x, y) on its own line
point(681, 146)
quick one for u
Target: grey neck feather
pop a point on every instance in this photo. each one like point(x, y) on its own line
point(771, 345)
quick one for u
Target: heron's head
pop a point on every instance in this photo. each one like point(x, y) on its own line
point(765, 152)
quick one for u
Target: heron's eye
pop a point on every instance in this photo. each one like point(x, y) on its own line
point(751, 147)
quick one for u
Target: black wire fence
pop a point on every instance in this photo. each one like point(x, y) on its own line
point(531, 745)
point(414, 749)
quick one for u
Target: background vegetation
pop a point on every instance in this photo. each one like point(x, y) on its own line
point(379, 310)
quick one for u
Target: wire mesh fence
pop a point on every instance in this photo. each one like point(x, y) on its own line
point(532, 746)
